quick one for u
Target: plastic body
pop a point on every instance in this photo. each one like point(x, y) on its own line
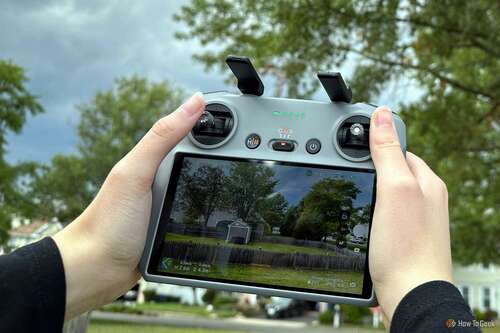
point(272, 119)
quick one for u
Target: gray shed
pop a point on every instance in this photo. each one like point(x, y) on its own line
point(238, 232)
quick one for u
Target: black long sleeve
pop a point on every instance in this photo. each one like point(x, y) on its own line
point(32, 289)
point(435, 306)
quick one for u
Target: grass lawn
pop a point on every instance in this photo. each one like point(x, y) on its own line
point(272, 247)
point(183, 308)
point(117, 327)
point(284, 276)
point(495, 329)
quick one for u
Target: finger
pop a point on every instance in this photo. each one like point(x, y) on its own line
point(165, 134)
point(385, 149)
point(429, 182)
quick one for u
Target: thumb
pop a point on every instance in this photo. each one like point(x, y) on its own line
point(147, 155)
point(384, 145)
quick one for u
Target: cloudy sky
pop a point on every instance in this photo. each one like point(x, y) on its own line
point(72, 49)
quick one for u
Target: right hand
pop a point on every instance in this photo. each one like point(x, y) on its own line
point(410, 236)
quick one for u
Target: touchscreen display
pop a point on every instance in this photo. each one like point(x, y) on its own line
point(262, 223)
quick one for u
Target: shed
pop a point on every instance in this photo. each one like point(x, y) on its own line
point(238, 232)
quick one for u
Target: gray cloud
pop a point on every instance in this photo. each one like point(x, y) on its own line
point(71, 49)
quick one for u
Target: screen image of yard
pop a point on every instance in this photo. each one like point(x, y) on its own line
point(269, 223)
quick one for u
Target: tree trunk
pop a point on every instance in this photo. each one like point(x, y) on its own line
point(78, 324)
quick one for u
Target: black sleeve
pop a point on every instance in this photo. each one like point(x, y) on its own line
point(32, 289)
point(435, 306)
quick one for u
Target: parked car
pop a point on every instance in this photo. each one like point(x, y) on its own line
point(280, 307)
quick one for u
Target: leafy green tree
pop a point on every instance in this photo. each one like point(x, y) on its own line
point(110, 125)
point(323, 205)
point(290, 221)
point(273, 209)
point(247, 184)
point(16, 104)
point(450, 49)
point(202, 192)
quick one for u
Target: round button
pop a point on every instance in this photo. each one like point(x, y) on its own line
point(252, 141)
point(313, 146)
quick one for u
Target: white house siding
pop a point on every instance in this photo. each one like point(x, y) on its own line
point(476, 278)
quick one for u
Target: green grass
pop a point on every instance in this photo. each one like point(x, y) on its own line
point(272, 247)
point(183, 308)
point(281, 276)
point(168, 307)
point(495, 329)
point(117, 327)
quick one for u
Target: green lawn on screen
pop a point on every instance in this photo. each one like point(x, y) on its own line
point(272, 247)
point(282, 276)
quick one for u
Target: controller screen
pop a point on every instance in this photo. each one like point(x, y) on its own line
point(270, 224)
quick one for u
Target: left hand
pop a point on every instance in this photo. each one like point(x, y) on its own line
point(102, 247)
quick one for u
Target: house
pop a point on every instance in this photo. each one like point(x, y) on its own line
point(479, 285)
point(24, 233)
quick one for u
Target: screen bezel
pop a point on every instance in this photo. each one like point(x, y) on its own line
point(166, 209)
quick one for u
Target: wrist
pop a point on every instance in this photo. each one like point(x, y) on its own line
point(391, 292)
point(91, 278)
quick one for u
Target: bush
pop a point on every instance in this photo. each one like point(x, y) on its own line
point(221, 301)
point(326, 318)
point(149, 295)
point(209, 296)
point(487, 315)
point(353, 314)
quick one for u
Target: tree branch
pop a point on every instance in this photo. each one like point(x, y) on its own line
point(436, 74)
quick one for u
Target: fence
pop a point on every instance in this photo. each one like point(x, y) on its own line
point(222, 254)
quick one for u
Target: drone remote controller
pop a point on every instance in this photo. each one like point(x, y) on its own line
point(272, 196)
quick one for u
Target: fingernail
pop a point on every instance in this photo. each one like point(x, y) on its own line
point(383, 118)
point(194, 104)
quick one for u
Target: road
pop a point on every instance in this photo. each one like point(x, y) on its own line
point(250, 325)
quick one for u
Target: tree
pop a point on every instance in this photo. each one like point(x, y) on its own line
point(110, 125)
point(202, 192)
point(16, 104)
point(247, 184)
point(290, 221)
point(272, 209)
point(323, 205)
point(448, 48)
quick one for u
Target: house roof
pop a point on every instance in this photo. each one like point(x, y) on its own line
point(28, 229)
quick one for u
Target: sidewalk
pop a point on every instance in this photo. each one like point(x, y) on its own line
point(251, 325)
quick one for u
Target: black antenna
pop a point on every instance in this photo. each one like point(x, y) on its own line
point(335, 86)
point(248, 79)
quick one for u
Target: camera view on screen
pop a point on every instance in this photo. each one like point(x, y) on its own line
point(267, 224)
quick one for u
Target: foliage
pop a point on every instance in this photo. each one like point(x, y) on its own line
point(202, 191)
point(322, 207)
point(447, 48)
point(488, 315)
point(353, 314)
point(246, 185)
point(16, 104)
point(110, 125)
point(273, 209)
point(209, 296)
point(326, 317)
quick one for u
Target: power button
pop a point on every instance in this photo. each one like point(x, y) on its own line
point(313, 146)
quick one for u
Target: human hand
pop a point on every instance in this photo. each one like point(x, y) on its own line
point(102, 247)
point(410, 237)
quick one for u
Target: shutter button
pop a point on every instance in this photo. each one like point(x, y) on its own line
point(283, 145)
